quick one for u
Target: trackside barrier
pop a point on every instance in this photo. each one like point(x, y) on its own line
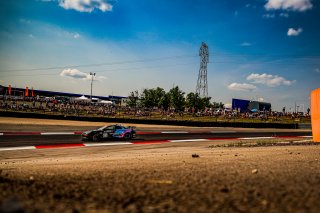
point(315, 114)
point(151, 121)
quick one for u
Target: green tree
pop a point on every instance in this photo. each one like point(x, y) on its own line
point(206, 102)
point(164, 102)
point(133, 99)
point(152, 97)
point(193, 100)
point(159, 95)
point(217, 105)
point(146, 98)
point(176, 97)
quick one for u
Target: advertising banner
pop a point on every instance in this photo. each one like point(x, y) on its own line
point(315, 114)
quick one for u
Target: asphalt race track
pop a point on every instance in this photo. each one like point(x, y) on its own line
point(25, 139)
point(163, 176)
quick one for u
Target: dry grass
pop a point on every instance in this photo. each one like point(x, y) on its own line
point(266, 142)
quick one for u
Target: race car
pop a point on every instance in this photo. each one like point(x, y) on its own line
point(108, 132)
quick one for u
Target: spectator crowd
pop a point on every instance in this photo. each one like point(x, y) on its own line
point(79, 108)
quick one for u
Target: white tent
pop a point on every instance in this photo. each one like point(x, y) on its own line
point(105, 102)
point(82, 98)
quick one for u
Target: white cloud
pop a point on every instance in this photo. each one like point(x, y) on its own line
point(241, 87)
point(260, 99)
point(284, 15)
point(250, 6)
point(24, 21)
point(317, 70)
point(74, 73)
point(76, 35)
point(86, 5)
point(269, 80)
point(294, 32)
point(294, 5)
point(268, 15)
point(245, 44)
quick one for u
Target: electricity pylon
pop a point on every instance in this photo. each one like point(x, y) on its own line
point(202, 84)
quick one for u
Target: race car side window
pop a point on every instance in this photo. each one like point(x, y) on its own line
point(118, 127)
point(109, 128)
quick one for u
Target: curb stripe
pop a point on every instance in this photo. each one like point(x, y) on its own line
point(218, 132)
point(137, 143)
point(77, 133)
point(187, 140)
point(175, 132)
point(256, 138)
point(59, 146)
point(21, 133)
point(17, 148)
point(107, 144)
point(148, 133)
point(57, 133)
point(287, 136)
point(150, 142)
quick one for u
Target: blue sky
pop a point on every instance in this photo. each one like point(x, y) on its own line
point(259, 49)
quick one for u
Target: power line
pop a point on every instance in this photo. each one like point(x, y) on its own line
point(281, 61)
point(112, 70)
point(172, 65)
point(100, 64)
point(266, 62)
point(269, 55)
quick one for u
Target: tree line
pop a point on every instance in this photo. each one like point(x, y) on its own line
point(173, 99)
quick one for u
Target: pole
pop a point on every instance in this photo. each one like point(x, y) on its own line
point(92, 74)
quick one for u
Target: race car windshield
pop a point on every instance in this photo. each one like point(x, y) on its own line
point(104, 127)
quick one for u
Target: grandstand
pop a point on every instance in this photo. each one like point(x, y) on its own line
point(4, 91)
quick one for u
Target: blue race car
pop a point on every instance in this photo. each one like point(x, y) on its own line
point(109, 132)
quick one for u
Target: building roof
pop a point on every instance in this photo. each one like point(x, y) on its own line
point(54, 93)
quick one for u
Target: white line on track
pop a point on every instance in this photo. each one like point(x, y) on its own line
point(107, 144)
point(187, 140)
point(17, 148)
point(57, 133)
point(306, 136)
point(223, 132)
point(302, 141)
point(174, 132)
point(254, 138)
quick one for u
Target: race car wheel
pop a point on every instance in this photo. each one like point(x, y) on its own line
point(96, 138)
point(128, 136)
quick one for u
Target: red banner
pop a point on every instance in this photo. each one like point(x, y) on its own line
point(9, 89)
point(32, 92)
point(26, 92)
